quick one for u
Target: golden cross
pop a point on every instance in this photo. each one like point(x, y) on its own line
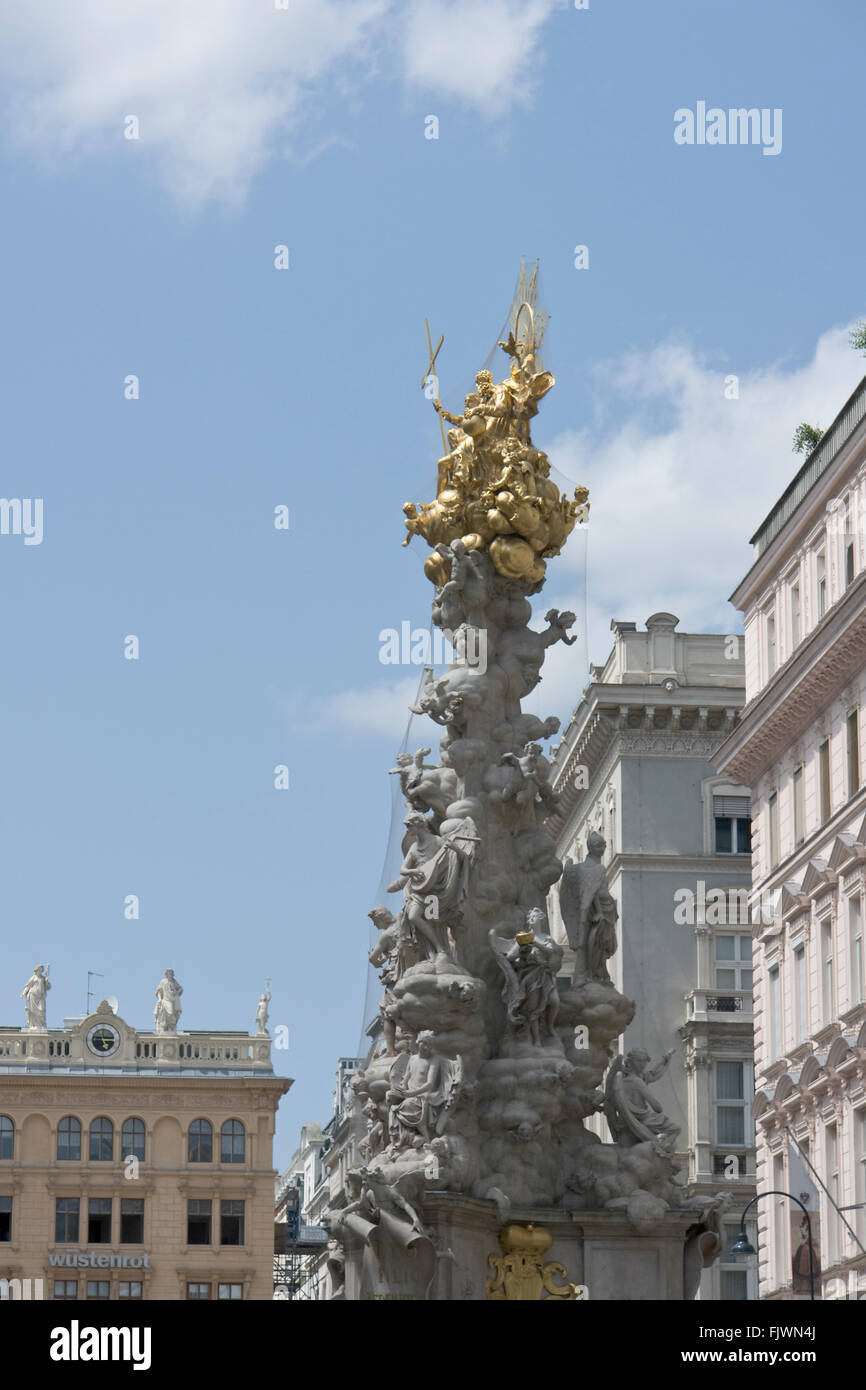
point(431, 371)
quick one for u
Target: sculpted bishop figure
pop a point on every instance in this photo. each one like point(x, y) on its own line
point(589, 913)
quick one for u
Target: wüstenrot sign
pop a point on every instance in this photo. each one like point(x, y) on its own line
point(93, 1259)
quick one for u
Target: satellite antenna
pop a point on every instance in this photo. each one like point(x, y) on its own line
point(112, 1003)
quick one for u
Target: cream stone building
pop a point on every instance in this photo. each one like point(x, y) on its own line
point(637, 763)
point(799, 745)
point(136, 1165)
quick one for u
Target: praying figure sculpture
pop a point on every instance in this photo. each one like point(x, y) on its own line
point(589, 913)
point(632, 1111)
point(168, 1007)
point(33, 995)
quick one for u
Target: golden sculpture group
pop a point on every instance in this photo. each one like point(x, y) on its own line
point(494, 491)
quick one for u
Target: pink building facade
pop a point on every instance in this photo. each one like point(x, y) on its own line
point(800, 746)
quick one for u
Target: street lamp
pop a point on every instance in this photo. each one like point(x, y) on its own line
point(743, 1246)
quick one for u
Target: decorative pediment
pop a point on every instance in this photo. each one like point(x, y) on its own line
point(861, 1037)
point(784, 1088)
point(816, 877)
point(812, 1069)
point(761, 1104)
point(860, 835)
point(840, 1049)
point(791, 898)
point(844, 850)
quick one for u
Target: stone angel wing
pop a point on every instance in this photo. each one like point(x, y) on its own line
point(397, 1074)
point(500, 945)
point(611, 1106)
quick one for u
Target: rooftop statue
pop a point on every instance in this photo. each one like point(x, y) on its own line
point(168, 1007)
point(33, 995)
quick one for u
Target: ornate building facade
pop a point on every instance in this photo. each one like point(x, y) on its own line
point(135, 1164)
point(799, 745)
point(636, 764)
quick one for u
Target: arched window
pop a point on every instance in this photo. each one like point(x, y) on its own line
point(7, 1137)
point(201, 1142)
point(102, 1139)
point(69, 1138)
point(232, 1142)
point(132, 1138)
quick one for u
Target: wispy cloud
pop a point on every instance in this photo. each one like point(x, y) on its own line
point(220, 86)
point(483, 52)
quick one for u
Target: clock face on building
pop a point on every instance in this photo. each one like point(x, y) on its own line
point(103, 1040)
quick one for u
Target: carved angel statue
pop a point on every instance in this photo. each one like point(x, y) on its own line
point(632, 1111)
point(168, 1007)
point(33, 995)
point(534, 770)
point(393, 953)
point(589, 913)
point(423, 1087)
point(432, 879)
point(529, 966)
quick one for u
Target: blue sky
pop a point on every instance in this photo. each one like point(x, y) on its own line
point(260, 387)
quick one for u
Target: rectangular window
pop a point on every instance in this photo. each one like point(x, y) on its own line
point(5, 1218)
point(849, 563)
point(852, 727)
point(801, 1010)
point(855, 939)
point(99, 1221)
point(732, 821)
point(821, 583)
point(775, 1019)
point(828, 978)
point(99, 1288)
point(231, 1223)
point(773, 816)
point(733, 1285)
point(824, 779)
point(831, 1151)
point(65, 1290)
point(198, 1291)
point(198, 1222)
point(129, 1288)
point(730, 1103)
point(795, 616)
point(799, 807)
point(230, 1291)
point(131, 1220)
point(66, 1219)
point(770, 619)
point(734, 962)
point(860, 1172)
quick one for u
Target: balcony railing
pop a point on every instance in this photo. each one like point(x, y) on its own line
point(718, 1003)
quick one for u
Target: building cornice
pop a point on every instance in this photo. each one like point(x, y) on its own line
point(809, 680)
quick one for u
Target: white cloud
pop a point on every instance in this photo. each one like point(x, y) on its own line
point(219, 86)
point(375, 709)
point(673, 504)
point(483, 52)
